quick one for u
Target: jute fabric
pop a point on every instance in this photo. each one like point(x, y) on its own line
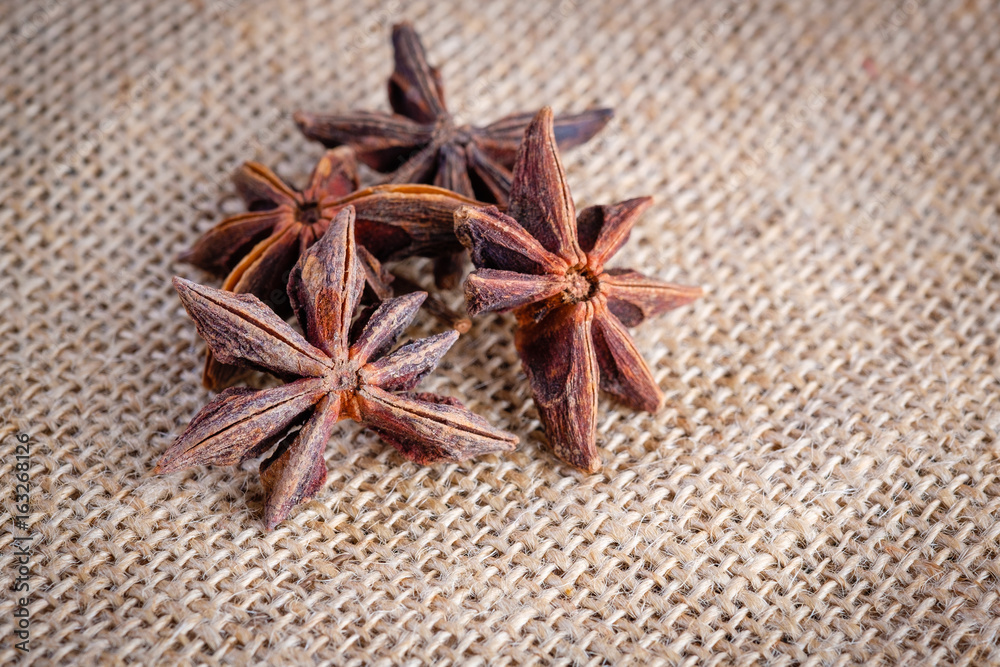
point(821, 488)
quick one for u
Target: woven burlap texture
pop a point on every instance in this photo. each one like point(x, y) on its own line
point(821, 488)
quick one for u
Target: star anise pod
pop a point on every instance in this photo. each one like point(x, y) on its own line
point(548, 265)
point(422, 143)
point(335, 372)
point(258, 248)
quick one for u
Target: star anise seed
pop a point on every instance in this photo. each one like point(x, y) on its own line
point(258, 249)
point(547, 265)
point(422, 143)
point(332, 375)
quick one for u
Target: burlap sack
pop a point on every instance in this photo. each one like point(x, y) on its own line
point(822, 487)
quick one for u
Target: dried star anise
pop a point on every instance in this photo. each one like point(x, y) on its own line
point(421, 142)
point(258, 249)
point(336, 372)
point(548, 266)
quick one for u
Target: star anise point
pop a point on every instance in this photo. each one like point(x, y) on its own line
point(334, 371)
point(258, 249)
point(420, 140)
point(546, 263)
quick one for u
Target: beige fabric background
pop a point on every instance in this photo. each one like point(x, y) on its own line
point(822, 487)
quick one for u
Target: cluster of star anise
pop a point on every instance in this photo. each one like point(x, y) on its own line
point(499, 191)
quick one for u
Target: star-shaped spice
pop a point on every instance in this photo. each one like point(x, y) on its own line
point(257, 249)
point(335, 372)
point(422, 143)
point(547, 265)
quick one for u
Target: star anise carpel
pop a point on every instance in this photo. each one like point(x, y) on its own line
point(421, 142)
point(257, 249)
point(339, 369)
point(547, 264)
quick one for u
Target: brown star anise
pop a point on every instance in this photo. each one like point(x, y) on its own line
point(548, 265)
point(258, 249)
point(421, 142)
point(337, 372)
